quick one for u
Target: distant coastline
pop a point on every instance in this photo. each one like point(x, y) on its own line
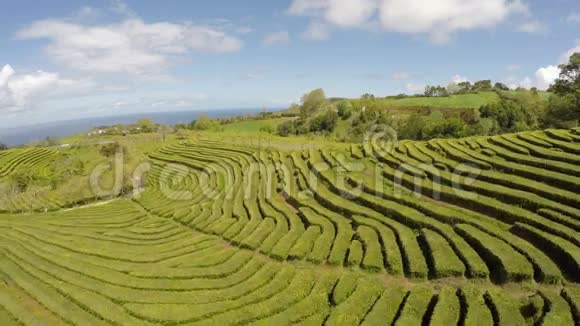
point(23, 135)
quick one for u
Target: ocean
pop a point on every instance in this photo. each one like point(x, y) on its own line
point(26, 134)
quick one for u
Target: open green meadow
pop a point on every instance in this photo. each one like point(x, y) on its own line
point(276, 231)
point(453, 101)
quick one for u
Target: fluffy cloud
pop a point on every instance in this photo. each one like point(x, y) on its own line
point(458, 79)
point(532, 26)
point(338, 12)
point(566, 55)
point(401, 75)
point(573, 18)
point(317, 32)
point(415, 88)
point(545, 76)
point(438, 19)
point(23, 91)
point(132, 46)
point(281, 37)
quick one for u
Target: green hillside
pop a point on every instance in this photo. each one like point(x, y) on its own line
point(452, 101)
point(474, 231)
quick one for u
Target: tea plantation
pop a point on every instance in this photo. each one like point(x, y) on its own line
point(473, 231)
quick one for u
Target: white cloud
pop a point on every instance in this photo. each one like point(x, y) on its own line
point(24, 91)
point(281, 37)
point(412, 87)
point(531, 26)
point(573, 18)
point(86, 12)
point(122, 8)
point(401, 75)
point(566, 55)
point(545, 76)
point(337, 12)
point(317, 32)
point(458, 79)
point(513, 82)
point(132, 46)
point(513, 67)
point(244, 30)
point(438, 19)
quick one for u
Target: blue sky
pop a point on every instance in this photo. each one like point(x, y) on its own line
point(71, 59)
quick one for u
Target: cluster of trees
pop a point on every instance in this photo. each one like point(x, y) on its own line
point(316, 115)
point(464, 87)
point(205, 123)
point(431, 91)
point(564, 105)
point(514, 112)
point(109, 150)
point(3, 147)
point(141, 126)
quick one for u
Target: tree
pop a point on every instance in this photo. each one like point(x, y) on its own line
point(465, 87)
point(108, 150)
point(453, 88)
point(3, 147)
point(146, 125)
point(501, 87)
point(435, 91)
point(344, 109)
point(287, 128)
point(324, 122)
point(443, 128)
point(482, 85)
point(312, 102)
point(568, 86)
point(413, 127)
point(204, 122)
point(368, 96)
point(267, 129)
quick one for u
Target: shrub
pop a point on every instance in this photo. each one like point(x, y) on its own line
point(344, 109)
point(108, 150)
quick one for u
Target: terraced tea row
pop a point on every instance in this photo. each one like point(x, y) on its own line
point(116, 264)
point(472, 207)
point(33, 180)
point(26, 159)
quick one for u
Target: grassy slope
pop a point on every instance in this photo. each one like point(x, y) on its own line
point(454, 101)
point(252, 125)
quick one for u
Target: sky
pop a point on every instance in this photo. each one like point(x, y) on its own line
point(62, 60)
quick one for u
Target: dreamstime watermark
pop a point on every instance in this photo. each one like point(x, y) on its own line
point(386, 171)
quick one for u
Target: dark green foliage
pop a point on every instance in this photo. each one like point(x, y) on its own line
point(287, 128)
point(344, 109)
point(568, 86)
point(419, 127)
point(204, 122)
point(311, 102)
point(482, 85)
point(501, 87)
point(3, 147)
point(435, 91)
point(108, 150)
point(325, 122)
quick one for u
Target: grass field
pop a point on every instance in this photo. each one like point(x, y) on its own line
point(277, 231)
point(252, 126)
point(453, 101)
